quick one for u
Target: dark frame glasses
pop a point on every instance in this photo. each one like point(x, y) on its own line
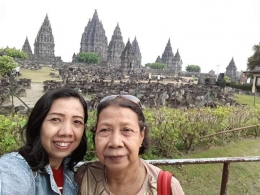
point(128, 97)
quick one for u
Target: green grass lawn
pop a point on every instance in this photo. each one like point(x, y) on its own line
point(244, 178)
point(38, 76)
point(247, 99)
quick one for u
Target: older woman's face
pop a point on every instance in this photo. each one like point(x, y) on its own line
point(62, 129)
point(118, 137)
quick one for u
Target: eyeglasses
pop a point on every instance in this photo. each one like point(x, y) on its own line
point(129, 97)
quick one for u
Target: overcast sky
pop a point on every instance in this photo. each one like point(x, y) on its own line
point(206, 32)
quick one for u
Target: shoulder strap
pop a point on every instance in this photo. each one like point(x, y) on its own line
point(164, 183)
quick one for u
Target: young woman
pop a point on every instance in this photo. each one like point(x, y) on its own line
point(55, 143)
point(120, 136)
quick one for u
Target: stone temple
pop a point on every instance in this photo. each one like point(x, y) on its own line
point(94, 39)
point(173, 62)
point(43, 45)
point(116, 54)
point(231, 71)
point(115, 48)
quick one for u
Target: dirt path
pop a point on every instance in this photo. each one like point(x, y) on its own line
point(33, 95)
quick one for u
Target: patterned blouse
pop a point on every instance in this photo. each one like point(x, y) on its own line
point(93, 181)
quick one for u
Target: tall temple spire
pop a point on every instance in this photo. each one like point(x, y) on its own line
point(127, 56)
point(158, 59)
point(94, 38)
point(27, 48)
point(137, 53)
point(44, 42)
point(167, 56)
point(177, 62)
point(231, 70)
point(115, 47)
point(95, 15)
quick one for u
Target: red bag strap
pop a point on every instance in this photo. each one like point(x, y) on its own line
point(164, 183)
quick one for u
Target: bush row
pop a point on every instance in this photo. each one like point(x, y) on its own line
point(172, 131)
point(244, 87)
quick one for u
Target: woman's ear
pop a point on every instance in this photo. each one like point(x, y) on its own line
point(143, 135)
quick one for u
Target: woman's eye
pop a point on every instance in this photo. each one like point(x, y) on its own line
point(55, 120)
point(127, 130)
point(104, 130)
point(79, 122)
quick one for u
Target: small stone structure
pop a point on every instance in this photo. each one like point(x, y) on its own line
point(11, 86)
point(231, 71)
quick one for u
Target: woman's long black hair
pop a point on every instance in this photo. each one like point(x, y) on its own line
point(32, 151)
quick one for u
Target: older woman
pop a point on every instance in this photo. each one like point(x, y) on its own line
point(120, 135)
point(55, 143)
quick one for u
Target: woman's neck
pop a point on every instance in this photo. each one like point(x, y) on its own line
point(55, 163)
point(122, 183)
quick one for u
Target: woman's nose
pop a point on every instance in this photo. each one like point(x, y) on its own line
point(115, 139)
point(66, 129)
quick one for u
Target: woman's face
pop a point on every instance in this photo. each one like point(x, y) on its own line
point(62, 129)
point(118, 138)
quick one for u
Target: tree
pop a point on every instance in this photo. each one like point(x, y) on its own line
point(12, 52)
point(254, 60)
point(193, 68)
point(223, 83)
point(7, 62)
point(227, 79)
point(88, 57)
point(156, 65)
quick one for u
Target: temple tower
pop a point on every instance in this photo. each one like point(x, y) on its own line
point(27, 48)
point(44, 42)
point(74, 57)
point(177, 62)
point(231, 70)
point(127, 57)
point(158, 59)
point(137, 54)
point(167, 56)
point(115, 48)
point(94, 38)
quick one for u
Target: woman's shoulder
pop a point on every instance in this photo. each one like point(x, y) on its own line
point(16, 173)
point(154, 171)
point(95, 166)
point(91, 165)
point(151, 169)
point(16, 160)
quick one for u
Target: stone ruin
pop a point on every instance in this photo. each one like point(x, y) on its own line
point(11, 86)
point(97, 82)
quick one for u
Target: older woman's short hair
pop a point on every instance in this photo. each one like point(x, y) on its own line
point(120, 101)
point(32, 151)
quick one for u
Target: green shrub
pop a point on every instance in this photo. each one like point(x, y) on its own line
point(10, 132)
point(244, 87)
point(172, 131)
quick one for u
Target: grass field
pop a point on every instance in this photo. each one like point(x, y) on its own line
point(38, 76)
point(244, 178)
point(247, 99)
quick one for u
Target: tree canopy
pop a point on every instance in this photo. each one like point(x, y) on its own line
point(156, 65)
point(7, 62)
point(227, 79)
point(88, 57)
point(193, 68)
point(12, 52)
point(254, 60)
